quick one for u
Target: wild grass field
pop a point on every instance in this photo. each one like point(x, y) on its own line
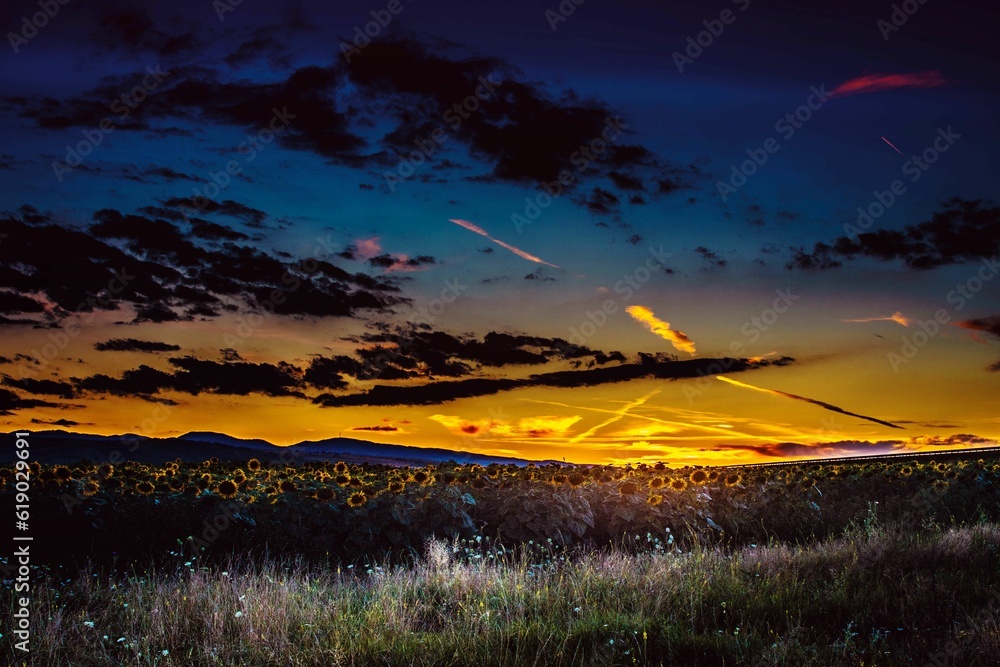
point(250, 563)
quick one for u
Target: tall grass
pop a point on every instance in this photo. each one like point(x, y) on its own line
point(874, 596)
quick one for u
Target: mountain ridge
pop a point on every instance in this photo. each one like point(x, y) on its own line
point(62, 446)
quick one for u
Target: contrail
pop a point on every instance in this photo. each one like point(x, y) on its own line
point(662, 329)
point(619, 415)
point(827, 406)
point(472, 227)
point(893, 147)
point(896, 317)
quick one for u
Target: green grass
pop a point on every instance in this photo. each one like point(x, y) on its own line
point(873, 596)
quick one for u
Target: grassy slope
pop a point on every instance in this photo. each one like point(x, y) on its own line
point(874, 596)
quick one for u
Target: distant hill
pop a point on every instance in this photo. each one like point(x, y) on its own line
point(59, 446)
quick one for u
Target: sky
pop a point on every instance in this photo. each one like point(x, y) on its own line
point(698, 233)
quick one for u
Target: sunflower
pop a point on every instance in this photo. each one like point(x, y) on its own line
point(678, 484)
point(105, 470)
point(63, 474)
point(560, 479)
point(342, 479)
point(628, 488)
point(357, 499)
point(253, 465)
point(340, 467)
point(732, 479)
point(479, 483)
point(145, 488)
point(89, 489)
point(325, 494)
point(906, 471)
point(421, 477)
point(698, 477)
point(176, 483)
point(577, 479)
point(227, 489)
point(286, 486)
point(713, 476)
point(654, 499)
point(656, 483)
point(397, 486)
point(239, 476)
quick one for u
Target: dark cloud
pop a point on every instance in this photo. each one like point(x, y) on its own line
point(396, 262)
point(711, 257)
point(41, 387)
point(625, 181)
point(522, 133)
point(251, 216)
point(821, 450)
point(436, 353)
point(381, 427)
point(197, 376)
point(990, 325)
point(328, 372)
point(601, 201)
point(55, 422)
point(11, 302)
point(858, 447)
point(384, 356)
point(132, 30)
point(210, 231)
point(443, 391)
point(964, 231)
point(134, 345)
point(155, 267)
point(10, 401)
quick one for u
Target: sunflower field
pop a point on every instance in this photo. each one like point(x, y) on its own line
point(339, 512)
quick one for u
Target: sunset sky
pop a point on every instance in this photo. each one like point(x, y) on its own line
point(264, 222)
